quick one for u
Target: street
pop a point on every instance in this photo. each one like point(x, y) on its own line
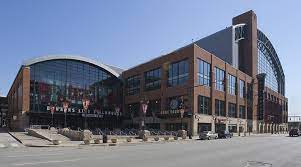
point(280, 151)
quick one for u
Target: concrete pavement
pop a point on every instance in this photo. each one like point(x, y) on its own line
point(280, 151)
point(7, 141)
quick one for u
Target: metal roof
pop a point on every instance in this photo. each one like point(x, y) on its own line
point(113, 70)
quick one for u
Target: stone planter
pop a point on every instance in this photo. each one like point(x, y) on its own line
point(166, 138)
point(56, 142)
point(175, 137)
point(86, 142)
point(156, 138)
point(129, 139)
point(114, 140)
point(97, 141)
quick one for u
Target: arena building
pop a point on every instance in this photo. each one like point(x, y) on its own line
point(230, 80)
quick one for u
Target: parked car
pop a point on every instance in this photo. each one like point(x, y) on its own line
point(294, 132)
point(208, 135)
point(224, 134)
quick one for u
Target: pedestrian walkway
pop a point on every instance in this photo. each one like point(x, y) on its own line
point(7, 141)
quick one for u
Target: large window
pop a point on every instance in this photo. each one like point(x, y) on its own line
point(55, 81)
point(242, 112)
point(204, 105)
point(265, 66)
point(231, 84)
point(204, 73)
point(133, 85)
point(178, 73)
point(232, 110)
point(220, 108)
point(241, 88)
point(219, 79)
point(152, 79)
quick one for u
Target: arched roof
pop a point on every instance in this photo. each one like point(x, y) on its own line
point(265, 45)
point(113, 70)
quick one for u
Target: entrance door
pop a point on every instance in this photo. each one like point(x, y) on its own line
point(220, 127)
point(204, 127)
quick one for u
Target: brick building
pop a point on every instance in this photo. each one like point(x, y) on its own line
point(230, 80)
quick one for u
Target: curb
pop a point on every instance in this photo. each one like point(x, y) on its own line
point(15, 138)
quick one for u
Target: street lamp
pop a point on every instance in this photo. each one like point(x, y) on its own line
point(132, 115)
point(117, 110)
point(144, 104)
point(86, 103)
point(182, 110)
point(52, 110)
point(65, 107)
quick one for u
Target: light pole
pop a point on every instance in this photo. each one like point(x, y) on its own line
point(144, 105)
point(52, 110)
point(182, 110)
point(117, 110)
point(132, 115)
point(86, 103)
point(65, 107)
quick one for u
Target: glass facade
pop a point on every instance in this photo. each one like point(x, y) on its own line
point(55, 81)
point(133, 85)
point(178, 73)
point(241, 88)
point(232, 110)
point(219, 79)
point(152, 79)
point(220, 108)
point(204, 70)
point(204, 105)
point(231, 84)
point(264, 66)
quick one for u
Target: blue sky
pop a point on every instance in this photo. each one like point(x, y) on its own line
point(126, 33)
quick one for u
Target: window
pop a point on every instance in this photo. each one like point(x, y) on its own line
point(231, 84)
point(152, 79)
point(133, 85)
point(204, 73)
point(178, 73)
point(220, 108)
point(154, 107)
point(265, 66)
point(242, 112)
point(241, 88)
point(232, 110)
point(204, 105)
point(219, 79)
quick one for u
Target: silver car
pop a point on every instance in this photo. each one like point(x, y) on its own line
point(208, 135)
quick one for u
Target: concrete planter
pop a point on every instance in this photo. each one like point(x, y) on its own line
point(114, 140)
point(129, 139)
point(156, 138)
point(175, 137)
point(56, 142)
point(97, 141)
point(86, 142)
point(145, 139)
point(166, 138)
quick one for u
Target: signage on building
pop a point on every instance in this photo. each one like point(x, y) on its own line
point(98, 113)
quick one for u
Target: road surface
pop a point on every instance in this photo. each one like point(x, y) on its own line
point(280, 151)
